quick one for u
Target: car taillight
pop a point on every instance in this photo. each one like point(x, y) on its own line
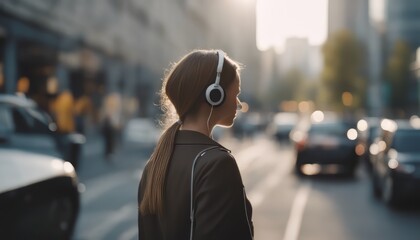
point(300, 145)
point(360, 149)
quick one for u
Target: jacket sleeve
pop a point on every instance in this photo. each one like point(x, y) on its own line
point(222, 210)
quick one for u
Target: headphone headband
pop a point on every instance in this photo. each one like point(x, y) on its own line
point(219, 66)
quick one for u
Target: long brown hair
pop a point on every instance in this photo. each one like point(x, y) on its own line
point(182, 93)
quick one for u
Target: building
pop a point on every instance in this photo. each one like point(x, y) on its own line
point(403, 25)
point(403, 22)
point(349, 15)
point(95, 47)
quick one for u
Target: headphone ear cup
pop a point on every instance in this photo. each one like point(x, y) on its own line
point(215, 94)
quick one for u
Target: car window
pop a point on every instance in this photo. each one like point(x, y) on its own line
point(407, 140)
point(41, 120)
point(26, 123)
point(21, 122)
point(6, 121)
point(335, 129)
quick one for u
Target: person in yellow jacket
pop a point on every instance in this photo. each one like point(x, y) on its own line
point(63, 110)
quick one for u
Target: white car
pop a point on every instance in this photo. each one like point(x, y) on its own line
point(141, 133)
point(39, 197)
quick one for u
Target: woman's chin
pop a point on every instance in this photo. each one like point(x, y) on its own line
point(226, 124)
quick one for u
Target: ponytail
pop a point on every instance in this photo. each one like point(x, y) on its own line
point(152, 202)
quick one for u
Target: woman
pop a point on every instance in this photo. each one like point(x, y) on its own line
point(191, 187)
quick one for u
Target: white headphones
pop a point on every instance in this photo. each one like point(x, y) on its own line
point(214, 93)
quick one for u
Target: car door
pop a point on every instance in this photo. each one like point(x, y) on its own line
point(26, 132)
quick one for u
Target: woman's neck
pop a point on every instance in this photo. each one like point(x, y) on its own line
point(197, 128)
point(197, 124)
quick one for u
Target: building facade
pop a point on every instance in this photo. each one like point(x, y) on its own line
point(101, 46)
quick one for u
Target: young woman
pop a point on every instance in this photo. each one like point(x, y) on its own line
point(191, 187)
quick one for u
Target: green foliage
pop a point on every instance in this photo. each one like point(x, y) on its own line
point(342, 72)
point(292, 86)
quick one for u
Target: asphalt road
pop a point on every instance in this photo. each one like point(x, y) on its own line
point(286, 207)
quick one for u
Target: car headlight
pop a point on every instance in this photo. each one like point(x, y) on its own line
point(352, 134)
point(401, 167)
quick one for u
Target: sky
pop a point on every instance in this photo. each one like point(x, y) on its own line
point(377, 10)
point(278, 20)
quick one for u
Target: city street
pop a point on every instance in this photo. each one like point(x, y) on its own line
point(339, 79)
point(285, 206)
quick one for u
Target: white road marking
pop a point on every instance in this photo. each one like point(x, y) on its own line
point(296, 214)
point(260, 191)
point(131, 233)
point(98, 186)
point(245, 157)
point(258, 154)
point(107, 224)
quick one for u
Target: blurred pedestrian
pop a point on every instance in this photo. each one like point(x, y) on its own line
point(111, 123)
point(62, 109)
point(191, 187)
point(83, 110)
point(63, 112)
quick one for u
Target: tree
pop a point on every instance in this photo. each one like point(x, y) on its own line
point(285, 88)
point(398, 75)
point(342, 85)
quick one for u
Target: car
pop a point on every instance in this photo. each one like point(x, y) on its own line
point(39, 197)
point(282, 124)
point(140, 133)
point(325, 144)
point(249, 124)
point(25, 126)
point(396, 167)
point(368, 131)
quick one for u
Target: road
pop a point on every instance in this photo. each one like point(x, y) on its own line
point(285, 207)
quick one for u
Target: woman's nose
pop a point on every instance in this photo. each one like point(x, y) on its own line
point(238, 105)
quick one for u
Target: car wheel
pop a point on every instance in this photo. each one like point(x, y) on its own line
point(388, 193)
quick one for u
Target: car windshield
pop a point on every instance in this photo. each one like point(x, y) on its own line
point(338, 129)
point(407, 140)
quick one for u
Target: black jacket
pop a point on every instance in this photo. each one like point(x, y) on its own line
point(222, 210)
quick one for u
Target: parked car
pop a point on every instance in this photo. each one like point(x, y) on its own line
point(140, 133)
point(24, 126)
point(368, 131)
point(396, 167)
point(326, 142)
point(39, 197)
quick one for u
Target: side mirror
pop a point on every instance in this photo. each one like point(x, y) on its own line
point(52, 126)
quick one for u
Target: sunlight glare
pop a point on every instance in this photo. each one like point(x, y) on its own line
point(278, 20)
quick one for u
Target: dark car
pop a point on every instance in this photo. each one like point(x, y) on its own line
point(368, 131)
point(326, 144)
point(24, 126)
point(39, 197)
point(396, 167)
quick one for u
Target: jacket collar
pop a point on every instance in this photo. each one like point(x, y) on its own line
point(188, 137)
